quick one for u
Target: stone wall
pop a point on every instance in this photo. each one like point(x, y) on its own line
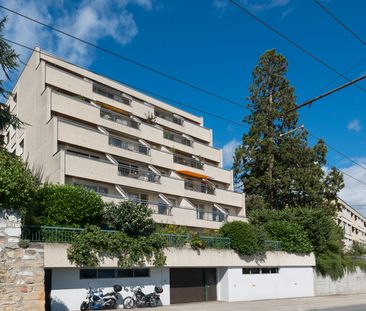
point(21, 269)
point(351, 283)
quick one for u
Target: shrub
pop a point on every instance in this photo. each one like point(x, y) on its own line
point(17, 184)
point(133, 219)
point(244, 238)
point(71, 206)
point(292, 236)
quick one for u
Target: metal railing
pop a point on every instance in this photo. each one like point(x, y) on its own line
point(66, 235)
point(177, 158)
point(130, 145)
point(177, 138)
point(169, 117)
point(270, 245)
point(118, 118)
point(138, 173)
point(199, 187)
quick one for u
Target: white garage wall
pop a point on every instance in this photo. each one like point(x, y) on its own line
point(289, 282)
point(68, 291)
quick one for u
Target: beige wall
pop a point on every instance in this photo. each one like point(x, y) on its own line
point(55, 256)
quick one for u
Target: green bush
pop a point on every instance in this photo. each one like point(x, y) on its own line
point(292, 236)
point(17, 184)
point(69, 206)
point(244, 238)
point(133, 219)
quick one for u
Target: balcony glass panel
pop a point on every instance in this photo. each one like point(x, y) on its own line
point(130, 145)
point(198, 186)
point(134, 171)
point(214, 216)
point(187, 161)
point(177, 138)
point(118, 118)
point(169, 117)
point(110, 93)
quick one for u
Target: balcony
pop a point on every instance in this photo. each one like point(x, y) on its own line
point(118, 118)
point(138, 173)
point(178, 138)
point(211, 216)
point(169, 117)
point(198, 186)
point(130, 145)
point(184, 160)
point(110, 93)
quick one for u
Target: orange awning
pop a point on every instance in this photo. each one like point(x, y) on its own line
point(110, 107)
point(192, 174)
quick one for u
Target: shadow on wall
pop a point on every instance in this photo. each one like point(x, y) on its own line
point(58, 305)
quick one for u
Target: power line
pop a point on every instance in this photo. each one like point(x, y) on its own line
point(338, 88)
point(339, 152)
point(143, 90)
point(326, 10)
point(292, 42)
point(129, 60)
point(178, 102)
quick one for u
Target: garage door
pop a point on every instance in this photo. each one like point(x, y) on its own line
point(192, 284)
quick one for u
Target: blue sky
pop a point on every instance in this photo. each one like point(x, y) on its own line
point(212, 44)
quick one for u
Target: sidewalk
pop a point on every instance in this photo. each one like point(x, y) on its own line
point(293, 304)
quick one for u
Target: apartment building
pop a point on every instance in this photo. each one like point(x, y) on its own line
point(352, 222)
point(88, 130)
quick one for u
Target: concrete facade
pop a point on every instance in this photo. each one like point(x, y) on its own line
point(90, 131)
point(352, 222)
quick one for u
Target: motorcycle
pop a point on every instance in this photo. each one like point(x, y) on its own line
point(97, 300)
point(150, 300)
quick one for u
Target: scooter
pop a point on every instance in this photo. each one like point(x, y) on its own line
point(96, 300)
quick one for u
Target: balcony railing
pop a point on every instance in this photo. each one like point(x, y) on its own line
point(67, 235)
point(177, 158)
point(211, 216)
point(129, 145)
point(138, 173)
point(118, 118)
point(177, 138)
point(169, 117)
point(199, 187)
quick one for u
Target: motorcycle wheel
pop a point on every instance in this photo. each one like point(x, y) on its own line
point(112, 304)
point(84, 306)
point(153, 303)
point(129, 303)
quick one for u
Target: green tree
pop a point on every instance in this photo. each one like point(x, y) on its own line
point(17, 184)
point(244, 238)
point(278, 170)
point(8, 63)
point(133, 219)
point(69, 206)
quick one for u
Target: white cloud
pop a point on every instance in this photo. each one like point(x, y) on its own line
point(354, 125)
point(228, 152)
point(354, 192)
point(91, 20)
point(255, 6)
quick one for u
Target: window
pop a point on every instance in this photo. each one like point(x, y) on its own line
point(83, 154)
point(113, 273)
point(270, 270)
point(97, 189)
point(21, 147)
point(106, 273)
point(88, 274)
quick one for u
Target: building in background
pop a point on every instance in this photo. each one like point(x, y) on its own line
point(352, 222)
point(87, 130)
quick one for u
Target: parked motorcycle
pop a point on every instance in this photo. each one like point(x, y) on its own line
point(97, 300)
point(150, 300)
